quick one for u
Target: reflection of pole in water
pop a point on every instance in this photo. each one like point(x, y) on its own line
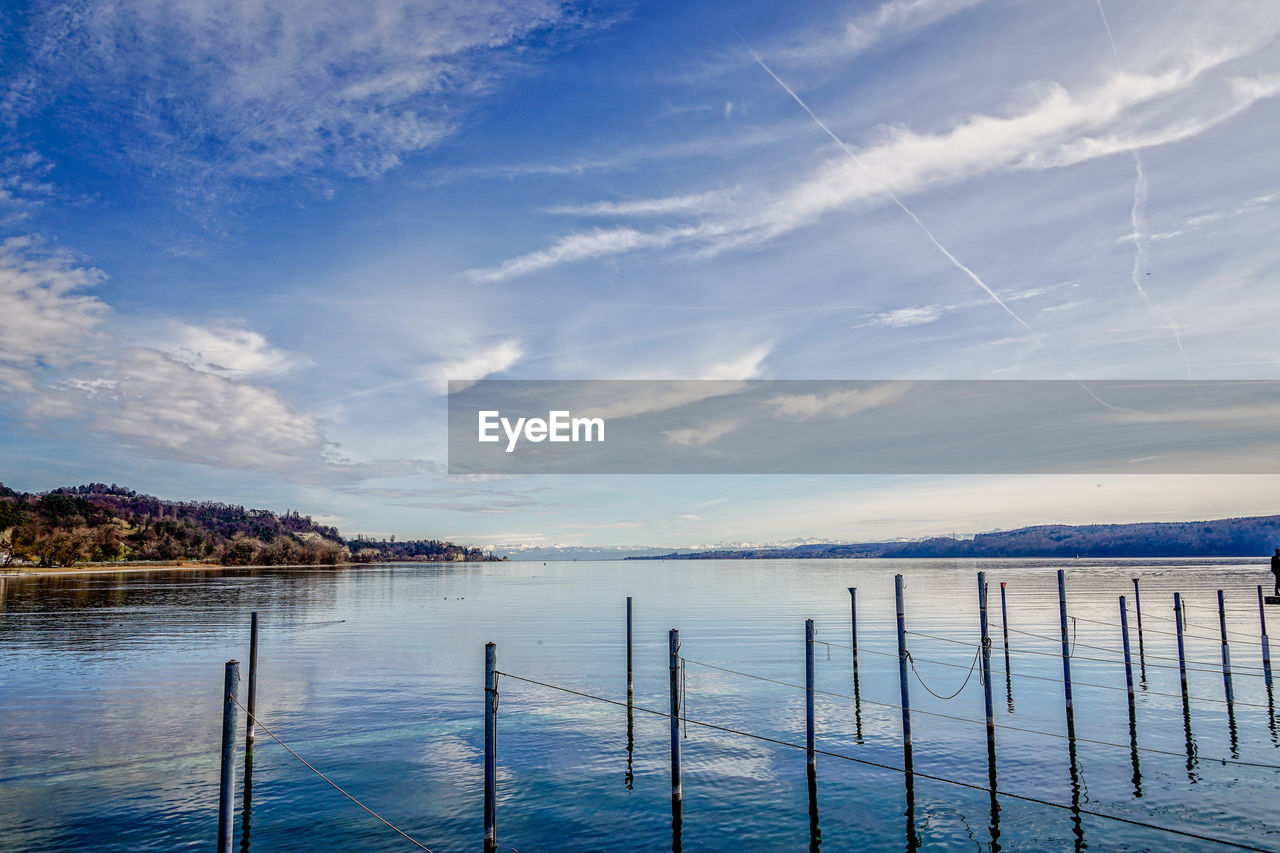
point(1191, 741)
point(1226, 679)
point(857, 691)
point(1271, 716)
point(1266, 642)
point(1186, 703)
point(628, 780)
point(1133, 749)
point(1133, 715)
point(815, 834)
point(247, 808)
point(1077, 824)
point(913, 838)
point(1008, 680)
point(857, 705)
point(677, 824)
point(991, 783)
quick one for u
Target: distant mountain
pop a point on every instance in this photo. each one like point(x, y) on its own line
point(102, 523)
point(1256, 536)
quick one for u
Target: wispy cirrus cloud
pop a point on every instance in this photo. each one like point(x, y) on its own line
point(207, 90)
point(857, 34)
point(1060, 128)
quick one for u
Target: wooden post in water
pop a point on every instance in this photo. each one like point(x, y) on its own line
point(673, 642)
point(252, 720)
point(986, 651)
point(629, 681)
point(853, 621)
point(1182, 657)
point(808, 692)
point(490, 746)
point(1266, 644)
point(1066, 648)
point(1226, 651)
point(227, 783)
point(902, 676)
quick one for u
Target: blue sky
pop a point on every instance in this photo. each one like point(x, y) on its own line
point(246, 244)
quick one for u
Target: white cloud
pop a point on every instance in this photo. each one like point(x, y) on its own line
point(892, 18)
point(474, 365)
point(699, 436)
point(248, 89)
point(236, 353)
point(841, 404)
point(598, 242)
point(1060, 128)
point(58, 363)
point(902, 317)
point(689, 203)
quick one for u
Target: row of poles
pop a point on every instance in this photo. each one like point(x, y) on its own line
point(675, 672)
point(230, 701)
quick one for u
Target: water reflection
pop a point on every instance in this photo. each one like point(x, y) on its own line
point(1077, 822)
point(1192, 775)
point(246, 812)
point(1133, 749)
point(815, 834)
point(992, 786)
point(629, 778)
point(913, 838)
point(677, 824)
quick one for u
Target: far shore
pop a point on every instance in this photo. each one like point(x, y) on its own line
point(185, 566)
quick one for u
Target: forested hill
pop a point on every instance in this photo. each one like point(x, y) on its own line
point(1228, 537)
point(97, 522)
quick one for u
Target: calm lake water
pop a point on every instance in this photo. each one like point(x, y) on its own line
point(110, 706)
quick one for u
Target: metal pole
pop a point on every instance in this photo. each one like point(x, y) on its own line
point(808, 691)
point(1266, 643)
point(1124, 635)
point(252, 720)
point(1182, 657)
point(1066, 648)
point(629, 681)
point(853, 621)
point(490, 746)
point(1137, 605)
point(227, 785)
point(1226, 652)
point(902, 674)
point(986, 650)
point(1004, 615)
point(673, 640)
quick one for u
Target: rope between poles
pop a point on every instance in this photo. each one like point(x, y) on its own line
point(335, 785)
point(916, 773)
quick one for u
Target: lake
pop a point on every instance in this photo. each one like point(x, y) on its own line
point(110, 689)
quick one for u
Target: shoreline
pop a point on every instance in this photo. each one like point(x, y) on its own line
point(176, 566)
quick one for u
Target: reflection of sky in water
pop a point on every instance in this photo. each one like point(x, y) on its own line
point(111, 714)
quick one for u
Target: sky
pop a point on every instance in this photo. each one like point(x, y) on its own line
point(244, 246)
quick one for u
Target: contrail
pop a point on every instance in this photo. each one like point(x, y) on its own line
point(1138, 213)
point(938, 245)
point(847, 150)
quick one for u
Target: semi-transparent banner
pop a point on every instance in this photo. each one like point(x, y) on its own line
point(863, 427)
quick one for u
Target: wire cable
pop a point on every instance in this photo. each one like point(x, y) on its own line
point(335, 785)
point(915, 773)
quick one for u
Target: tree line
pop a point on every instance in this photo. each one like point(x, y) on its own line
point(109, 523)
